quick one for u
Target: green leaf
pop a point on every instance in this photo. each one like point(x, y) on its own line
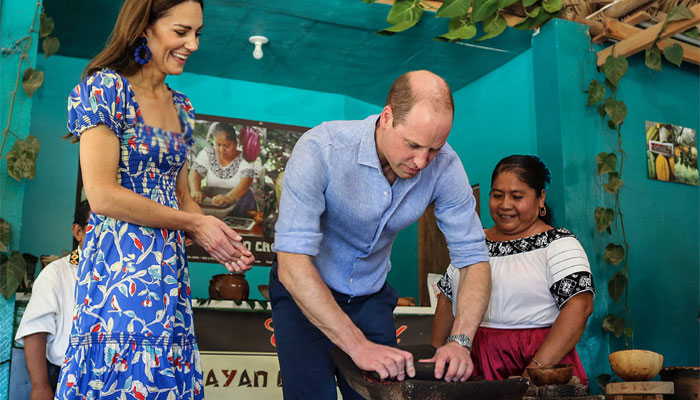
point(692, 33)
point(493, 27)
point(616, 286)
point(612, 125)
point(616, 110)
point(483, 9)
point(12, 272)
point(32, 80)
point(613, 254)
point(505, 3)
point(679, 13)
point(403, 11)
point(604, 217)
point(674, 54)
point(615, 68)
point(652, 57)
point(525, 24)
point(50, 45)
point(45, 25)
point(397, 28)
point(528, 3)
point(601, 110)
point(534, 12)
point(21, 160)
point(368, 1)
point(596, 92)
point(614, 183)
point(614, 324)
point(460, 29)
point(453, 8)
point(602, 380)
point(4, 236)
point(606, 162)
point(552, 6)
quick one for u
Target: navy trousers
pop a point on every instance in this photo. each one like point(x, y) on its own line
point(304, 352)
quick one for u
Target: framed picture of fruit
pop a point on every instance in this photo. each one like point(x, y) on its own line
point(672, 153)
point(236, 168)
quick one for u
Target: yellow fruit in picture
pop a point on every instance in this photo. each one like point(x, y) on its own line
point(662, 169)
point(671, 163)
point(677, 151)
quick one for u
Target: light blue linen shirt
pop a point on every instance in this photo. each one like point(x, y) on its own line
point(338, 207)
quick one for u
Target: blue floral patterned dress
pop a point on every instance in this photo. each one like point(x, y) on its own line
point(132, 334)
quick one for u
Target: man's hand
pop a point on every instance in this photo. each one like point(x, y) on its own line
point(387, 361)
point(461, 366)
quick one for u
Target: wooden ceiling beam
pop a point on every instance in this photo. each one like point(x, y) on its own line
point(615, 29)
point(637, 18)
point(596, 27)
point(646, 37)
point(624, 7)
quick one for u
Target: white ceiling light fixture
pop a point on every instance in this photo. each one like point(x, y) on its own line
point(258, 41)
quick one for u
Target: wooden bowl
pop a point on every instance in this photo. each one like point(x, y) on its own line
point(558, 374)
point(636, 365)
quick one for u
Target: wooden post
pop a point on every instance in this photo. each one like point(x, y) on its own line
point(433, 256)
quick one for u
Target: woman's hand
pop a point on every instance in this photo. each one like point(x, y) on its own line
point(223, 243)
point(197, 196)
point(221, 200)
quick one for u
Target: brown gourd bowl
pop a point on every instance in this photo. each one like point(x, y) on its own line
point(558, 374)
point(636, 365)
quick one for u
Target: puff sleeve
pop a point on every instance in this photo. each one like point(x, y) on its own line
point(99, 99)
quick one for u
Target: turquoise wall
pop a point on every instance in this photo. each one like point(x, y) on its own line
point(15, 23)
point(661, 219)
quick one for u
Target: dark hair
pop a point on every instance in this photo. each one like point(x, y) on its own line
point(402, 97)
point(134, 17)
point(80, 217)
point(532, 171)
point(227, 129)
point(82, 213)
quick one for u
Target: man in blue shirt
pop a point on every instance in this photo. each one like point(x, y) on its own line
point(349, 188)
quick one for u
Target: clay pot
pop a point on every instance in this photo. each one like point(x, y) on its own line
point(558, 374)
point(228, 287)
point(636, 365)
point(686, 382)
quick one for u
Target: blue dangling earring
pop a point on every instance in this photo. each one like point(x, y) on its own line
point(142, 48)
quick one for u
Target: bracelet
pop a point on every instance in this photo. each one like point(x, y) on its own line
point(536, 362)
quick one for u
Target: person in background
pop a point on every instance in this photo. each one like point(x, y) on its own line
point(133, 334)
point(349, 188)
point(45, 326)
point(229, 176)
point(542, 287)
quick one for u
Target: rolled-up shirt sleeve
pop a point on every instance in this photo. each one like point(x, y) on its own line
point(455, 211)
point(298, 228)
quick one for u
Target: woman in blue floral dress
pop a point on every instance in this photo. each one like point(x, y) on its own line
point(132, 334)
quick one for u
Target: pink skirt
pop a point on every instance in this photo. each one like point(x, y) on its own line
point(500, 353)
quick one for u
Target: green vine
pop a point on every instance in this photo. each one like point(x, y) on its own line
point(614, 111)
point(464, 16)
point(21, 159)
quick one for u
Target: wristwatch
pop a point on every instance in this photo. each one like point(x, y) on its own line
point(462, 340)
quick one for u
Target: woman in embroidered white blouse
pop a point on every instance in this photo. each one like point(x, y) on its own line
point(542, 288)
point(228, 175)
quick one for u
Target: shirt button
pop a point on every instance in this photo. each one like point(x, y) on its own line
point(350, 280)
point(386, 192)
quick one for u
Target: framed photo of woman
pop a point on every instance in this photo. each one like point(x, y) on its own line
point(236, 170)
